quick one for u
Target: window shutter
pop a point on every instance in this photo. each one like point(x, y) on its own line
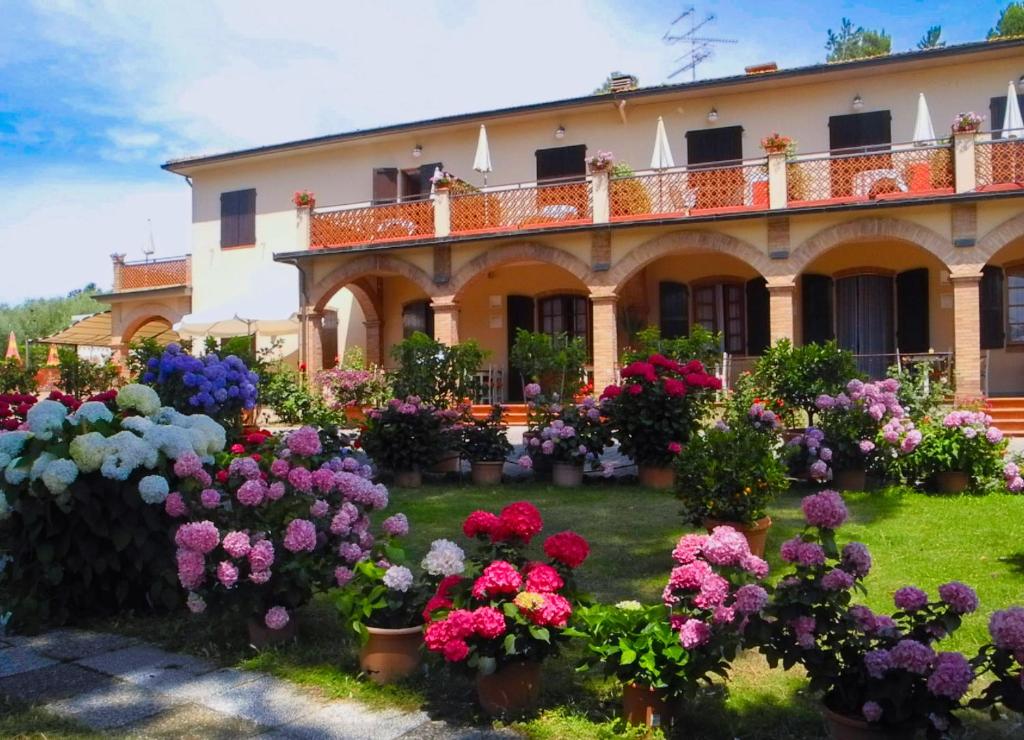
point(673, 310)
point(247, 216)
point(990, 296)
point(238, 218)
point(385, 185)
point(860, 130)
point(912, 330)
point(704, 146)
point(758, 319)
point(228, 219)
point(816, 308)
point(562, 162)
point(417, 316)
point(997, 111)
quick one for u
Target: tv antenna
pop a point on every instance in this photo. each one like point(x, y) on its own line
point(701, 47)
point(151, 249)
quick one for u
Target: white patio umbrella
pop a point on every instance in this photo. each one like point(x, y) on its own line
point(482, 160)
point(265, 304)
point(661, 158)
point(1012, 122)
point(924, 133)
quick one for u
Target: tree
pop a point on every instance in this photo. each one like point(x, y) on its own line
point(1010, 23)
point(856, 43)
point(931, 39)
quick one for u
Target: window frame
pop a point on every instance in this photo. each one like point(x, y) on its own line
point(720, 305)
point(570, 312)
point(1009, 273)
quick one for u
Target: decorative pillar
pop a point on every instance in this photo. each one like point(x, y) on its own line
point(600, 197)
point(964, 154)
point(966, 335)
point(446, 321)
point(777, 183)
point(606, 336)
point(311, 353)
point(780, 310)
point(373, 342)
point(118, 260)
point(442, 212)
point(303, 225)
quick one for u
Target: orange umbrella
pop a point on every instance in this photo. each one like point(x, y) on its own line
point(12, 349)
point(51, 358)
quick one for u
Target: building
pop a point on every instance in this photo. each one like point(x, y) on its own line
point(892, 246)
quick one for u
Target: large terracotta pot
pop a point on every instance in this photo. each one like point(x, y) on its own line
point(952, 481)
point(756, 533)
point(661, 477)
point(841, 727)
point(391, 654)
point(643, 705)
point(510, 689)
point(261, 636)
point(487, 473)
point(408, 478)
point(450, 462)
point(851, 479)
point(567, 475)
point(355, 416)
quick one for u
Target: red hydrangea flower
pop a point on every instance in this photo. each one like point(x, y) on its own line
point(456, 651)
point(500, 577)
point(640, 370)
point(555, 611)
point(541, 578)
point(567, 548)
point(481, 523)
point(520, 520)
point(635, 389)
point(674, 388)
point(489, 622)
point(612, 391)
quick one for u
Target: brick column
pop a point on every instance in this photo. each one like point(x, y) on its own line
point(606, 337)
point(780, 311)
point(374, 355)
point(446, 321)
point(311, 352)
point(966, 335)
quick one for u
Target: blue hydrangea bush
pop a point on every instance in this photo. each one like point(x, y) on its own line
point(82, 504)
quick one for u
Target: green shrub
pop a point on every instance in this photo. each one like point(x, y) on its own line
point(440, 375)
point(404, 436)
point(15, 378)
point(699, 344)
point(82, 378)
point(555, 362)
point(798, 375)
point(288, 394)
point(486, 440)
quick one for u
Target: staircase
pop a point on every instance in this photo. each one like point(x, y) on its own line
point(515, 413)
point(1008, 414)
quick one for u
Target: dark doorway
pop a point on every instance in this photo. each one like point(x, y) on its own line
point(520, 316)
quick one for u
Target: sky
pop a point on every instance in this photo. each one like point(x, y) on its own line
point(95, 96)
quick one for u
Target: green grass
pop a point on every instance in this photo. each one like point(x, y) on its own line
point(24, 722)
point(914, 539)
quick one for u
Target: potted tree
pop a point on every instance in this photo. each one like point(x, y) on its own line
point(485, 443)
point(404, 437)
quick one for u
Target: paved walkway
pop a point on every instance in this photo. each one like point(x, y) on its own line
point(122, 687)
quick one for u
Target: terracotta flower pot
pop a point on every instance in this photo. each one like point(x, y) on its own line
point(261, 636)
point(487, 472)
point(408, 478)
point(391, 654)
point(643, 705)
point(756, 533)
point(567, 475)
point(450, 462)
point(952, 481)
point(510, 689)
point(355, 415)
point(842, 727)
point(851, 479)
point(661, 477)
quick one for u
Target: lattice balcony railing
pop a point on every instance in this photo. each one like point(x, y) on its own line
point(371, 224)
point(999, 162)
point(531, 205)
point(678, 192)
point(159, 273)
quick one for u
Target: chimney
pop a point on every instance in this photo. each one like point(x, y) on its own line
point(623, 82)
point(760, 69)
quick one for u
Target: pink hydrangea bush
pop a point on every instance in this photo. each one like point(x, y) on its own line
point(407, 434)
point(282, 519)
point(1003, 661)
point(886, 669)
point(965, 440)
point(565, 433)
point(511, 605)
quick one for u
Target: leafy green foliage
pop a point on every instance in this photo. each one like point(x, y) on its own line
point(288, 394)
point(699, 344)
point(556, 361)
point(923, 388)
point(83, 378)
point(932, 39)
point(947, 448)
point(486, 440)
point(1010, 23)
point(367, 602)
point(798, 375)
point(16, 378)
point(856, 43)
point(438, 374)
point(36, 318)
point(404, 436)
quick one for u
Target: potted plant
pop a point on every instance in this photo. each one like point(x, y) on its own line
point(512, 612)
point(967, 122)
point(485, 443)
point(404, 437)
point(565, 436)
point(730, 474)
point(655, 410)
point(878, 675)
point(444, 180)
point(304, 199)
point(962, 450)
point(600, 162)
point(354, 390)
point(661, 653)
point(776, 143)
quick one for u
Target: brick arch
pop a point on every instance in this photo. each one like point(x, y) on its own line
point(367, 265)
point(861, 229)
point(517, 252)
point(687, 242)
point(1009, 230)
point(125, 321)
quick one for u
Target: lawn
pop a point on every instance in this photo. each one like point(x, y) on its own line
point(914, 538)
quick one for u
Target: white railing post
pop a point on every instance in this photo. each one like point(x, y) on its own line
point(777, 184)
point(303, 225)
point(964, 161)
point(599, 184)
point(442, 212)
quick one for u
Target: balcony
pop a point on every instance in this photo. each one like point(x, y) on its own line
point(972, 163)
point(168, 272)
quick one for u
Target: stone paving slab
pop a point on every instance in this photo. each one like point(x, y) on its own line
point(435, 730)
point(111, 706)
point(200, 688)
point(73, 644)
point(144, 664)
point(266, 701)
point(350, 721)
point(15, 660)
point(191, 722)
point(52, 683)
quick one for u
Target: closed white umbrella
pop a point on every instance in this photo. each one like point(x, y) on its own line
point(662, 156)
point(482, 160)
point(1012, 122)
point(924, 133)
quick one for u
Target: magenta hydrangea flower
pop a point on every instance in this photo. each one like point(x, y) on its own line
point(756, 566)
point(872, 711)
point(750, 599)
point(261, 556)
point(304, 441)
point(713, 592)
point(1007, 629)
point(191, 568)
point(910, 599)
point(252, 492)
point(187, 465)
point(825, 509)
point(279, 468)
point(319, 508)
point(689, 577)
point(819, 470)
point(275, 491)
point(803, 629)
point(300, 535)
point(912, 656)
point(199, 536)
point(951, 676)
point(837, 579)
point(210, 498)
point(227, 574)
point(301, 478)
point(688, 548)
point(396, 525)
point(960, 597)
point(856, 559)
point(276, 618)
point(525, 462)
point(694, 633)
point(343, 575)
point(877, 662)
point(725, 547)
point(236, 544)
point(174, 505)
point(245, 467)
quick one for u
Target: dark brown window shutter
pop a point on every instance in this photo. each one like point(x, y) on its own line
point(912, 330)
point(247, 216)
point(238, 218)
point(705, 146)
point(758, 319)
point(990, 298)
point(385, 185)
point(816, 307)
point(417, 316)
point(856, 130)
point(673, 310)
point(228, 219)
point(562, 162)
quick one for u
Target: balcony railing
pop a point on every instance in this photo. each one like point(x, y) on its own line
point(971, 163)
point(167, 272)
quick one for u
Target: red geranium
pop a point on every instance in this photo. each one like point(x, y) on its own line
point(567, 548)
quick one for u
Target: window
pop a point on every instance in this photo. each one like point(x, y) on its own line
point(673, 310)
point(417, 316)
point(238, 218)
point(705, 146)
point(720, 308)
point(997, 109)
point(1015, 306)
point(562, 162)
point(565, 313)
point(867, 131)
